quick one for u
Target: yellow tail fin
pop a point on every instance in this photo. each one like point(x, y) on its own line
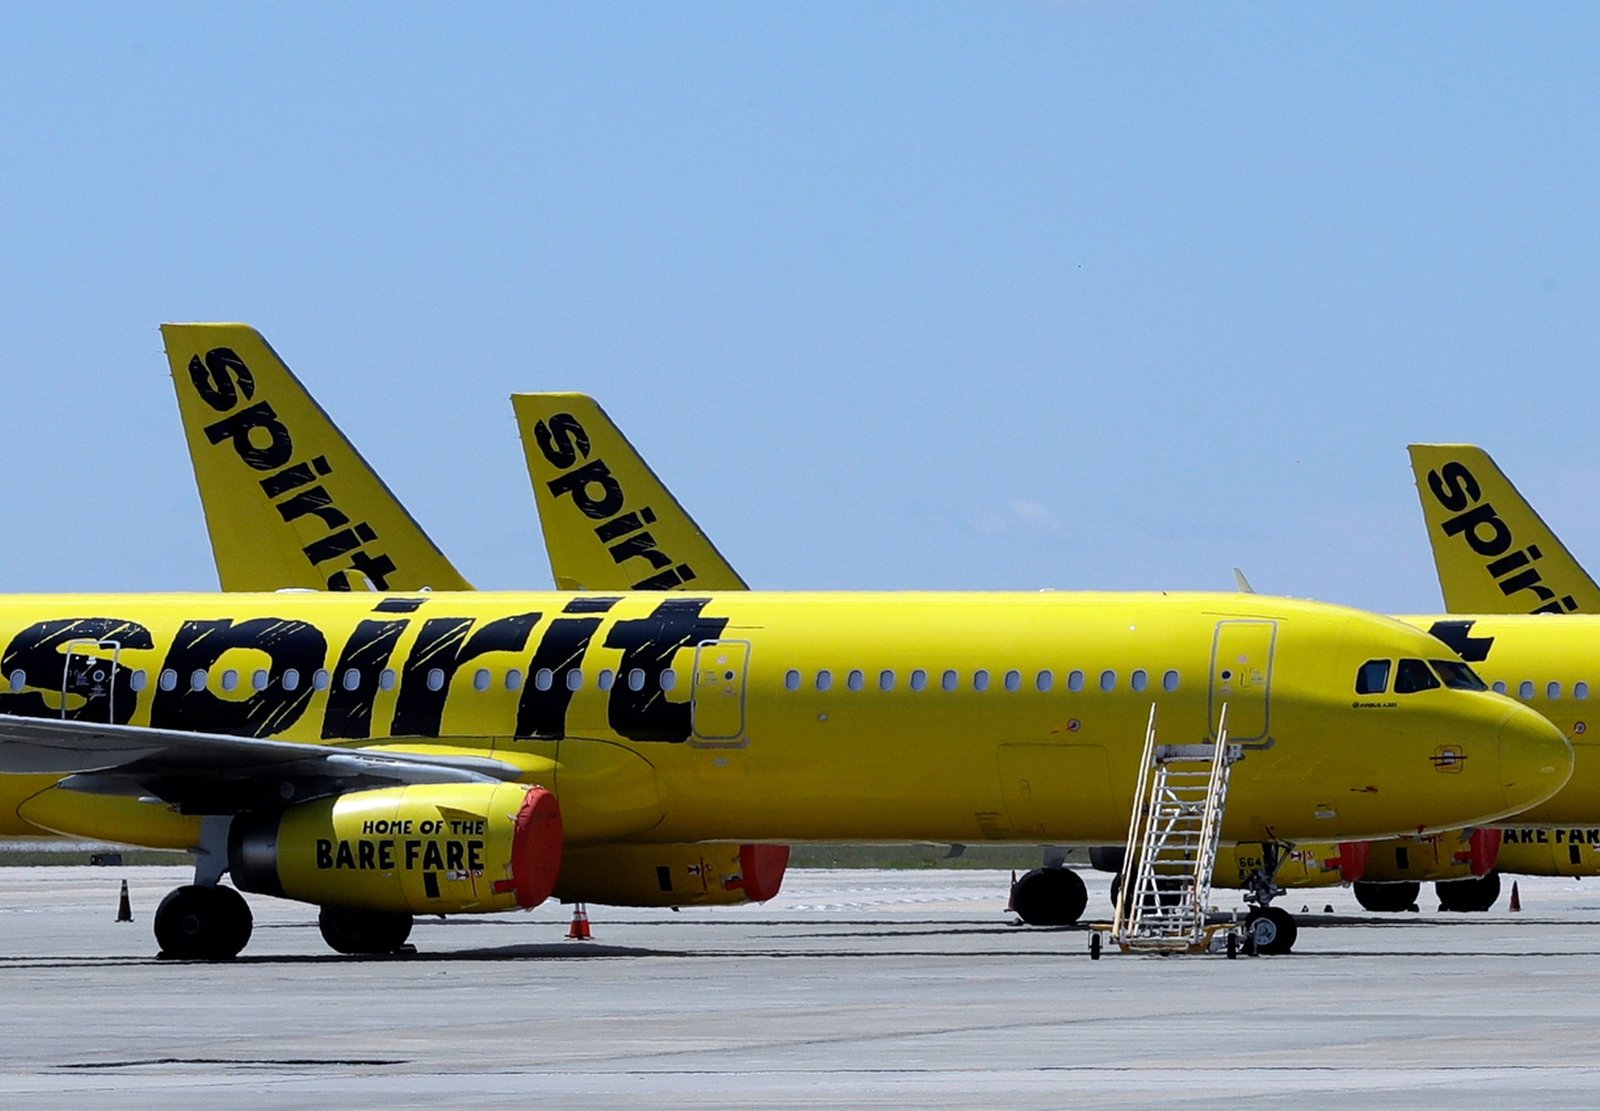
point(289, 502)
point(1494, 554)
point(609, 523)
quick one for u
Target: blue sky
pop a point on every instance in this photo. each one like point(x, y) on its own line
point(1079, 295)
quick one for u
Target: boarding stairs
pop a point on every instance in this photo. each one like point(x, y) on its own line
point(1172, 844)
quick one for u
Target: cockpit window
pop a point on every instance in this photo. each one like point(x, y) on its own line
point(1413, 676)
point(1373, 677)
point(1458, 676)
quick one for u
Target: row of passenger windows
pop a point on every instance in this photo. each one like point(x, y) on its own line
point(918, 679)
point(321, 679)
point(1528, 689)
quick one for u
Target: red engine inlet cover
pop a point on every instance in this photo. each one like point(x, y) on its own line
point(763, 867)
point(536, 847)
point(1352, 859)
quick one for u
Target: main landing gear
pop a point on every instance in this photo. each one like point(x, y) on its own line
point(198, 922)
point(1476, 894)
point(1050, 896)
point(363, 932)
point(1386, 898)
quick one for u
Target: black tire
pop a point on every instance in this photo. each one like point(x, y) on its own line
point(1473, 895)
point(1273, 930)
point(1387, 898)
point(1116, 888)
point(203, 923)
point(357, 932)
point(1050, 897)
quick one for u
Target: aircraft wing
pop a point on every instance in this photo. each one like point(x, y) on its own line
point(207, 773)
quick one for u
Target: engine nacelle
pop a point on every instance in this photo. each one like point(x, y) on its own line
point(1443, 856)
point(427, 849)
point(693, 875)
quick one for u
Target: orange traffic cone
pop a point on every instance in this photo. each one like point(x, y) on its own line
point(124, 908)
point(580, 924)
point(1011, 896)
point(1516, 897)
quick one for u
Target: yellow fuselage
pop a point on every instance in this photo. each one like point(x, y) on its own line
point(788, 717)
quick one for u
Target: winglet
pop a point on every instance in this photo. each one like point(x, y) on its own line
point(1242, 583)
point(289, 502)
point(1493, 552)
point(609, 523)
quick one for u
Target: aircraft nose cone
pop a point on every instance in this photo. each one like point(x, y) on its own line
point(1535, 758)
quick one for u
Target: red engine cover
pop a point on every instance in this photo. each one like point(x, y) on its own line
point(536, 847)
point(1352, 860)
point(763, 867)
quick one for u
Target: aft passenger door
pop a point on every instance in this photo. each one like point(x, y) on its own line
point(1241, 678)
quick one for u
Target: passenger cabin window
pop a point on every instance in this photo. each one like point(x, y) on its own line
point(386, 679)
point(855, 680)
point(1498, 686)
point(260, 679)
point(169, 680)
point(886, 680)
point(824, 679)
point(1075, 681)
point(1013, 680)
point(514, 679)
point(1108, 680)
point(138, 680)
point(291, 680)
point(791, 679)
point(197, 680)
point(1580, 690)
point(980, 680)
point(636, 680)
point(543, 679)
point(575, 679)
point(320, 679)
point(1552, 690)
point(919, 679)
point(1458, 676)
point(352, 679)
point(230, 679)
point(19, 679)
point(1372, 677)
point(1169, 681)
point(1044, 680)
point(607, 679)
point(1413, 676)
point(481, 679)
point(949, 680)
point(1525, 689)
point(1139, 679)
point(669, 678)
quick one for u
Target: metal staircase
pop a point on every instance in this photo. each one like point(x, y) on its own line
point(1172, 843)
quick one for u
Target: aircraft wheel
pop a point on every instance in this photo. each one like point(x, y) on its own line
point(1116, 889)
point(1050, 897)
point(361, 932)
point(1472, 895)
point(203, 923)
point(1272, 929)
point(1387, 898)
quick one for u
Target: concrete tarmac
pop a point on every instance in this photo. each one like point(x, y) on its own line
point(851, 988)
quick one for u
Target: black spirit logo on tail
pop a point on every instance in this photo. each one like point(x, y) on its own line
point(1456, 489)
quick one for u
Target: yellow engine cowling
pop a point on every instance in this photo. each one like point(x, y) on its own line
point(427, 849)
point(694, 875)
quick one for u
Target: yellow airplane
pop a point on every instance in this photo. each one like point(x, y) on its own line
point(385, 754)
point(324, 520)
point(1495, 556)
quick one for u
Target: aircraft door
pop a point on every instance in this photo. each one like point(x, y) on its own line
point(88, 680)
point(1241, 678)
point(718, 698)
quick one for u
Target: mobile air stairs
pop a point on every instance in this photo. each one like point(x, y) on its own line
point(1176, 825)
